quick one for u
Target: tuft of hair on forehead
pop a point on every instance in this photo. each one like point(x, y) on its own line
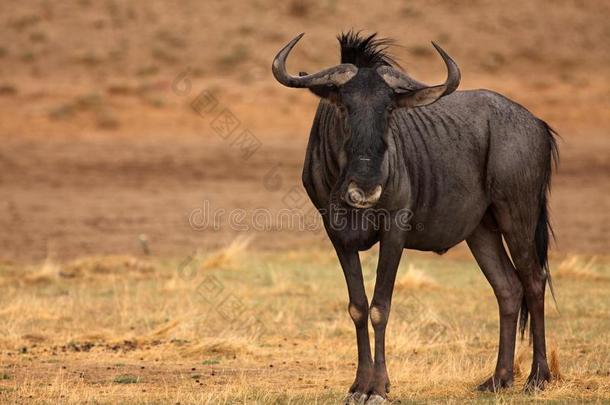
point(366, 51)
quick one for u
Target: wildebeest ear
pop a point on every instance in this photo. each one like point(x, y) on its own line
point(420, 97)
point(328, 92)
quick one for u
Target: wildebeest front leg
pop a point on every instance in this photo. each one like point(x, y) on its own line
point(358, 310)
point(488, 250)
point(390, 252)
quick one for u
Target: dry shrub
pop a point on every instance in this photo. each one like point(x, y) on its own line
point(90, 101)
point(519, 359)
point(48, 272)
point(63, 111)
point(421, 51)
point(170, 39)
point(34, 338)
point(89, 59)
point(162, 55)
point(7, 89)
point(25, 21)
point(92, 266)
point(415, 279)
point(234, 56)
point(107, 119)
point(105, 116)
point(165, 329)
point(227, 347)
point(554, 364)
point(299, 8)
point(229, 256)
point(575, 267)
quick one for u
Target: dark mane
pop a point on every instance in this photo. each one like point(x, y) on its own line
point(365, 51)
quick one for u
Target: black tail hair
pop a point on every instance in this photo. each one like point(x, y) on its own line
point(543, 228)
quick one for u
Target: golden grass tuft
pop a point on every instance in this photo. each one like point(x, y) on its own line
point(519, 359)
point(226, 346)
point(229, 256)
point(415, 279)
point(554, 364)
point(102, 266)
point(46, 273)
point(575, 267)
point(165, 329)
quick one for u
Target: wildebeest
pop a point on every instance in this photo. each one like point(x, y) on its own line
point(466, 165)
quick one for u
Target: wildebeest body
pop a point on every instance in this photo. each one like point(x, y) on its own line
point(454, 157)
point(395, 161)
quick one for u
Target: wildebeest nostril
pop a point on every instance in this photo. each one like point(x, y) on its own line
point(356, 197)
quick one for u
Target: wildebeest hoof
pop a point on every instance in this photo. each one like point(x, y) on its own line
point(356, 398)
point(537, 381)
point(495, 384)
point(375, 399)
point(359, 398)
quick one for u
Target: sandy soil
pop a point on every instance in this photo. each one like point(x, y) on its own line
point(101, 146)
point(68, 198)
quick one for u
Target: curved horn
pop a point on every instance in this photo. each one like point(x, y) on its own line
point(412, 93)
point(336, 75)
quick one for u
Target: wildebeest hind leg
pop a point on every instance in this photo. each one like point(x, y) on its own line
point(518, 224)
point(533, 278)
point(486, 246)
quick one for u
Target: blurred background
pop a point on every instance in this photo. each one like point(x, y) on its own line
point(122, 119)
point(131, 130)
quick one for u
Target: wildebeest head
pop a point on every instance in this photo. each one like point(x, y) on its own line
point(366, 88)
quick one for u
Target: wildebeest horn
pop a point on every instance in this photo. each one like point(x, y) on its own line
point(334, 76)
point(411, 93)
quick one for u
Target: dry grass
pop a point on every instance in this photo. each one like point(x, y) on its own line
point(415, 279)
point(273, 328)
point(229, 256)
point(579, 268)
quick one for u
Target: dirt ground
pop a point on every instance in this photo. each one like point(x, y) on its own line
point(247, 327)
point(101, 143)
point(67, 198)
point(115, 148)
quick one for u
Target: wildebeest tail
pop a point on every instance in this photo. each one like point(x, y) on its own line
point(523, 315)
point(543, 227)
